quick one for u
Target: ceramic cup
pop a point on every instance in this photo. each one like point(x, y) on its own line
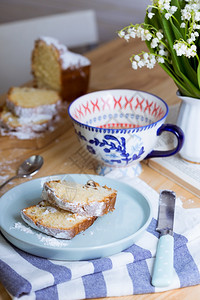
point(120, 127)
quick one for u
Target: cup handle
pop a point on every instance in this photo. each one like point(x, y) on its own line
point(177, 131)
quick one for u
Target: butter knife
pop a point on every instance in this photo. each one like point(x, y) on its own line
point(164, 261)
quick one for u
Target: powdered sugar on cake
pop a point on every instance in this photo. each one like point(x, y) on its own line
point(68, 58)
point(29, 128)
point(46, 240)
point(82, 199)
point(52, 41)
point(41, 112)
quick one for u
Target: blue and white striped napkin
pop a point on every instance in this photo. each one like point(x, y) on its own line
point(29, 277)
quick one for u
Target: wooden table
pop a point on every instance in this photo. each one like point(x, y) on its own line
point(111, 68)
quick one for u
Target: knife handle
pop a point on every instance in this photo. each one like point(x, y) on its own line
point(164, 262)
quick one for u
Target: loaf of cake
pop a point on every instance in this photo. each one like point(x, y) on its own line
point(55, 67)
point(54, 221)
point(29, 101)
point(88, 199)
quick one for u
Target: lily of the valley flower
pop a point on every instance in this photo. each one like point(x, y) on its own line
point(171, 31)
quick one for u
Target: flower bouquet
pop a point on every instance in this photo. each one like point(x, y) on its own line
point(171, 31)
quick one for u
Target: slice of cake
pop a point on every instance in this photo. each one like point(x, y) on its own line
point(24, 127)
point(90, 199)
point(29, 101)
point(55, 221)
point(55, 67)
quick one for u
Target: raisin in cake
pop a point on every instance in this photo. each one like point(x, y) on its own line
point(28, 101)
point(55, 67)
point(90, 199)
point(55, 221)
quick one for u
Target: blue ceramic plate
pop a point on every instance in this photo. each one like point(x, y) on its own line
point(108, 235)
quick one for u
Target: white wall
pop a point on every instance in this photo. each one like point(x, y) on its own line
point(112, 15)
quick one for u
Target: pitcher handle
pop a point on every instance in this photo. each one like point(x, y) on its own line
point(177, 131)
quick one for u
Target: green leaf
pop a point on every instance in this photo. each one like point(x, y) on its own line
point(186, 89)
point(179, 4)
point(169, 34)
point(177, 33)
point(186, 67)
point(180, 63)
point(155, 21)
point(198, 74)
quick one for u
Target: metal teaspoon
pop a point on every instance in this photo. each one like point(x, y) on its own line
point(28, 168)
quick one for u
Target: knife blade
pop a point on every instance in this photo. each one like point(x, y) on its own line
point(164, 261)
